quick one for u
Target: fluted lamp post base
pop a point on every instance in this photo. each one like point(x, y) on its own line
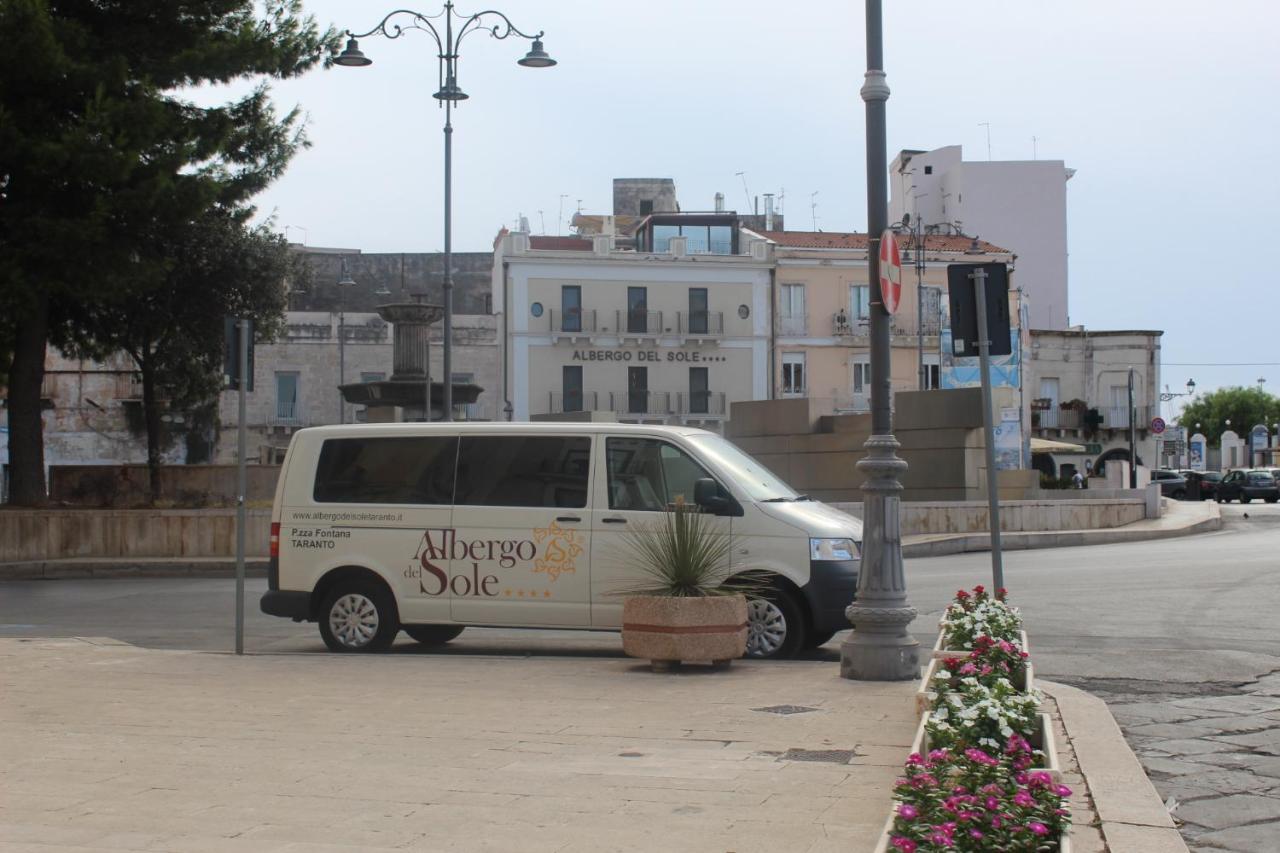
point(880, 647)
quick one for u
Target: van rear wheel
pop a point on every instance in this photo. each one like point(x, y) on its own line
point(432, 635)
point(775, 625)
point(358, 616)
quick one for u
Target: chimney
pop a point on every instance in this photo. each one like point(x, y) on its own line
point(768, 211)
point(719, 202)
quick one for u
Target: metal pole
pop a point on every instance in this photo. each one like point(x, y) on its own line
point(446, 413)
point(920, 308)
point(879, 648)
point(342, 358)
point(1133, 437)
point(979, 277)
point(241, 484)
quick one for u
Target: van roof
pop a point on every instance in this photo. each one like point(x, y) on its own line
point(497, 428)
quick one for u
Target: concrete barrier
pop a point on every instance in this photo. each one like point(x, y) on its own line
point(59, 534)
point(928, 517)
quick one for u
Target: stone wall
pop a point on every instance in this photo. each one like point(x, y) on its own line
point(28, 535)
point(931, 517)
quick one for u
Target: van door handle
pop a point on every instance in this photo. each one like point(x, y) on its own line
point(614, 520)
point(567, 518)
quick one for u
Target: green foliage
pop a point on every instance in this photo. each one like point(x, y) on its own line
point(1244, 407)
point(682, 555)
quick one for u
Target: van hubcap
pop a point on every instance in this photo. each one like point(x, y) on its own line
point(354, 620)
point(766, 628)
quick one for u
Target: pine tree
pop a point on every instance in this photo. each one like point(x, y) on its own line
point(102, 150)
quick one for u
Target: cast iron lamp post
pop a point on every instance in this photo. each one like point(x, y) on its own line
point(1167, 395)
point(344, 281)
point(496, 25)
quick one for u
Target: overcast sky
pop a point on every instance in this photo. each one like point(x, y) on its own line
point(1167, 110)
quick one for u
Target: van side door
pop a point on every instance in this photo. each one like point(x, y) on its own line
point(521, 537)
point(637, 478)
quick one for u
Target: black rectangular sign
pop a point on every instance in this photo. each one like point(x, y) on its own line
point(231, 354)
point(964, 309)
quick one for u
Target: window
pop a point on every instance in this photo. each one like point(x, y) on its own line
point(699, 239)
point(931, 310)
point(932, 373)
point(861, 379)
point(638, 390)
point(523, 471)
point(698, 310)
point(571, 308)
point(646, 206)
point(699, 391)
point(637, 309)
point(792, 309)
point(408, 470)
point(859, 301)
point(928, 170)
point(793, 374)
point(648, 475)
point(571, 383)
point(287, 397)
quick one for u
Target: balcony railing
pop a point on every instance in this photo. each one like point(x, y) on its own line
point(285, 414)
point(844, 324)
point(628, 322)
point(1117, 417)
point(640, 402)
point(795, 324)
point(577, 320)
point(700, 322)
point(700, 402)
point(582, 401)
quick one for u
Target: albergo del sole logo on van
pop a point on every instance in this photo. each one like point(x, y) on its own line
point(441, 545)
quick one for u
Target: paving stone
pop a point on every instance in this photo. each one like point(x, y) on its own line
point(1210, 784)
point(1238, 723)
point(1186, 746)
point(1268, 685)
point(1158, 712)
point(1237, 704)
point(1267, 741)
point(1256, 838)
point(1263, 765)
point(1199, 728)
point(1230, 811)
point(1175, 767)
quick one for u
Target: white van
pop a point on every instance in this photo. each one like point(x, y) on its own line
point(429, 528)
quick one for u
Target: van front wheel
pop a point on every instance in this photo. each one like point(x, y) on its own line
point(358, 617)
point(775, 625)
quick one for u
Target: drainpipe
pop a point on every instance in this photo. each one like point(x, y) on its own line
point(506, 334)
point(773, 330)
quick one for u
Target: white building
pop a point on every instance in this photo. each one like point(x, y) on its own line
point(672, 331)
point(1020, 204)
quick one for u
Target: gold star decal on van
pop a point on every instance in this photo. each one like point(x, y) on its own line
point(520, 592)
point(507, 593)
point(546, 593)
point(559, 551)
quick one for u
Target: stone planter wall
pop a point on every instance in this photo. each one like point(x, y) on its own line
point(59, 534)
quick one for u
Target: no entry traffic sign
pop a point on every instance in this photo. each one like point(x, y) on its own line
point(890, 272)
point(1157, 425)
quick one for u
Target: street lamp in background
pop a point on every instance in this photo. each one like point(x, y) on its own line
point(1168, 395)
point(498, 26)
point(344, 281)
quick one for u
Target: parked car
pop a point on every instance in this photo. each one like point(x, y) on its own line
point(1202, 483)
point(1247, 485)
point(1172, 484)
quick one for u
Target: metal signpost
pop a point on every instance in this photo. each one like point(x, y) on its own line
point(979, 277)
point(239, 375)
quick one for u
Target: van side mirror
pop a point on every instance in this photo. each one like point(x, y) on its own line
point(707, 494)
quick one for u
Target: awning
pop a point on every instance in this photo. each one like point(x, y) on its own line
point(1045, 445)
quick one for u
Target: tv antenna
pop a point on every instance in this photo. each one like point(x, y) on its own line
point(745, 191)
point(987, 125)
point(813, 208)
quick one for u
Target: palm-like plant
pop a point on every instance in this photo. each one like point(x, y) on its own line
point(682, 555)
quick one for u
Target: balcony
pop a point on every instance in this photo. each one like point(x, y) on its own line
point(582, 401)
point(700, 403)
point(843, 325)
point(640, 402)
point(794, 325)
point(286, 414)
point(644, 323)
point(700, 322)
point(578, 321)
point(1117, 417)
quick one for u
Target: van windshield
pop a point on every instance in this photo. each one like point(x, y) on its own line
point(757, 481)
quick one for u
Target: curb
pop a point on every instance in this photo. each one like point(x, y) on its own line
point(1133, 817)
point(255, 567)
point(971, 542)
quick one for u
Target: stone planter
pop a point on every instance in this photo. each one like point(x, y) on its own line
point(1042, 739)
point(667, 631)
point(940, 650)
point(1025, 681)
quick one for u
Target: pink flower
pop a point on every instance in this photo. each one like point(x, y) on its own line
point(914, 758)
point(906, 811)
point(1023, 799)
point(976, 833)
point(992, 804)
point(1038, 828)
point(906, 845)
point(1062, 791)
point(968, 669)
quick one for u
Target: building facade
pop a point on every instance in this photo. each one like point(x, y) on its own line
point(1079, 381)
point(1021, 204)
point(673, 330)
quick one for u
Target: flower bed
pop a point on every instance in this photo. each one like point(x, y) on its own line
point(983, 773)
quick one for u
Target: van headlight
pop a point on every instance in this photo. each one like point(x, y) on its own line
point(833, 549)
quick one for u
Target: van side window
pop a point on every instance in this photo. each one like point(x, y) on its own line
point(401, 470)
point(528, 471)
point(647, 475)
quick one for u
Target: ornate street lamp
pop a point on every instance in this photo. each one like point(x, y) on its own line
point(1167, 395)
point(496, 25)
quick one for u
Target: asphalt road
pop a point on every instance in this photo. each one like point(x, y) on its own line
point(1189, 610)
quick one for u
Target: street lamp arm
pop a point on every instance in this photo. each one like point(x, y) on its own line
point(418, 21)
point(502, 30)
